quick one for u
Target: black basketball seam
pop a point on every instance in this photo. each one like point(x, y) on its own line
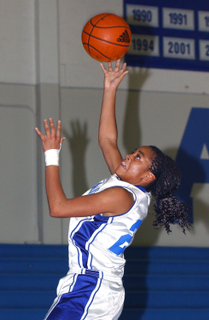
point(94, 25)
point(117, 44)
point(98, 52)
point(89, 37)
point(111, 27)
point(93, 29)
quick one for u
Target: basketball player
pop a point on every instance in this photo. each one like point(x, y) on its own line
point(104, 220)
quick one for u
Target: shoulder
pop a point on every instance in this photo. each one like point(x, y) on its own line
point(118, 199)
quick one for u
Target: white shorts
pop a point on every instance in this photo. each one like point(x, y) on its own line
point(81, 296)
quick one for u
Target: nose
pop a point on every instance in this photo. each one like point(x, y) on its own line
point(128, 157)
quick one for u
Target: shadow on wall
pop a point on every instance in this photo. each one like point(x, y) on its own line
point(78, 142)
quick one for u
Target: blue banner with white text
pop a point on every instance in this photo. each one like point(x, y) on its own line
point(170, 34)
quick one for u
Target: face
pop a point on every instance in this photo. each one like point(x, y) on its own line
point(135, 167)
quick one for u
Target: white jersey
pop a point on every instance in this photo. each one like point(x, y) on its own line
point(97, 243)
point(93, 289)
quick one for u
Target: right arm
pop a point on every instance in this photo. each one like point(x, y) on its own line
point(107, 125)
point(110, 202)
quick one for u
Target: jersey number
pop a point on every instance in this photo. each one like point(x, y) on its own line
point(124, 241)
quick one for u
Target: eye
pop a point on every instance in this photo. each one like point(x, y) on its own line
point(138, 156)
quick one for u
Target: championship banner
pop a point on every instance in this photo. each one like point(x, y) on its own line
point(171, 34)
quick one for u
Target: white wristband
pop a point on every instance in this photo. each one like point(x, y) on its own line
point(52, 157)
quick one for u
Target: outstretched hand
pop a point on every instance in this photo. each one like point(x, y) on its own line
point(113, 77)
point(52, 139)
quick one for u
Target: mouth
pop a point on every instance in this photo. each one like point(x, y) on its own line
point(123, 165)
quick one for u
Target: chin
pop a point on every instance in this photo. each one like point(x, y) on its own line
point(118, 174)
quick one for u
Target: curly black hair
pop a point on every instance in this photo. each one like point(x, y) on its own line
point(168, 209)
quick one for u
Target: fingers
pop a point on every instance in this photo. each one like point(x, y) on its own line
point(52, 139)
point(52, 127)
point(109, 66)
point(103, 67)
point(58, 133)
point(39, 133)
point(117, 65)
point(116, 69)
point(124, 66)
point(62, 139)
point(50, 130)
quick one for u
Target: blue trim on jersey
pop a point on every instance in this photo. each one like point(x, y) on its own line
point(75, 305)
point(141, 188)
point(105, 221)
point(96, 188)
point(83, 235)
point(72, 235)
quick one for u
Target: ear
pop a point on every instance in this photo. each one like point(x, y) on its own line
point(149, 177)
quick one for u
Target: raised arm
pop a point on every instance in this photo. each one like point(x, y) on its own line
point(107, 125)
point(106, 202)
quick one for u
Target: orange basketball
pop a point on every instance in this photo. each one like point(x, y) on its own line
point(106, 37)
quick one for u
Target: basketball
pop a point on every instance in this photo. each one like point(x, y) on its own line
point(106, 37)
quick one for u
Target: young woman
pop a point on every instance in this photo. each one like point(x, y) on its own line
point(104, 220)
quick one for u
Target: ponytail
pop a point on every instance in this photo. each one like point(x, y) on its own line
point(168, 209)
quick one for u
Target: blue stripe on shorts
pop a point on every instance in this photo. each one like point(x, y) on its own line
point(74, 305)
